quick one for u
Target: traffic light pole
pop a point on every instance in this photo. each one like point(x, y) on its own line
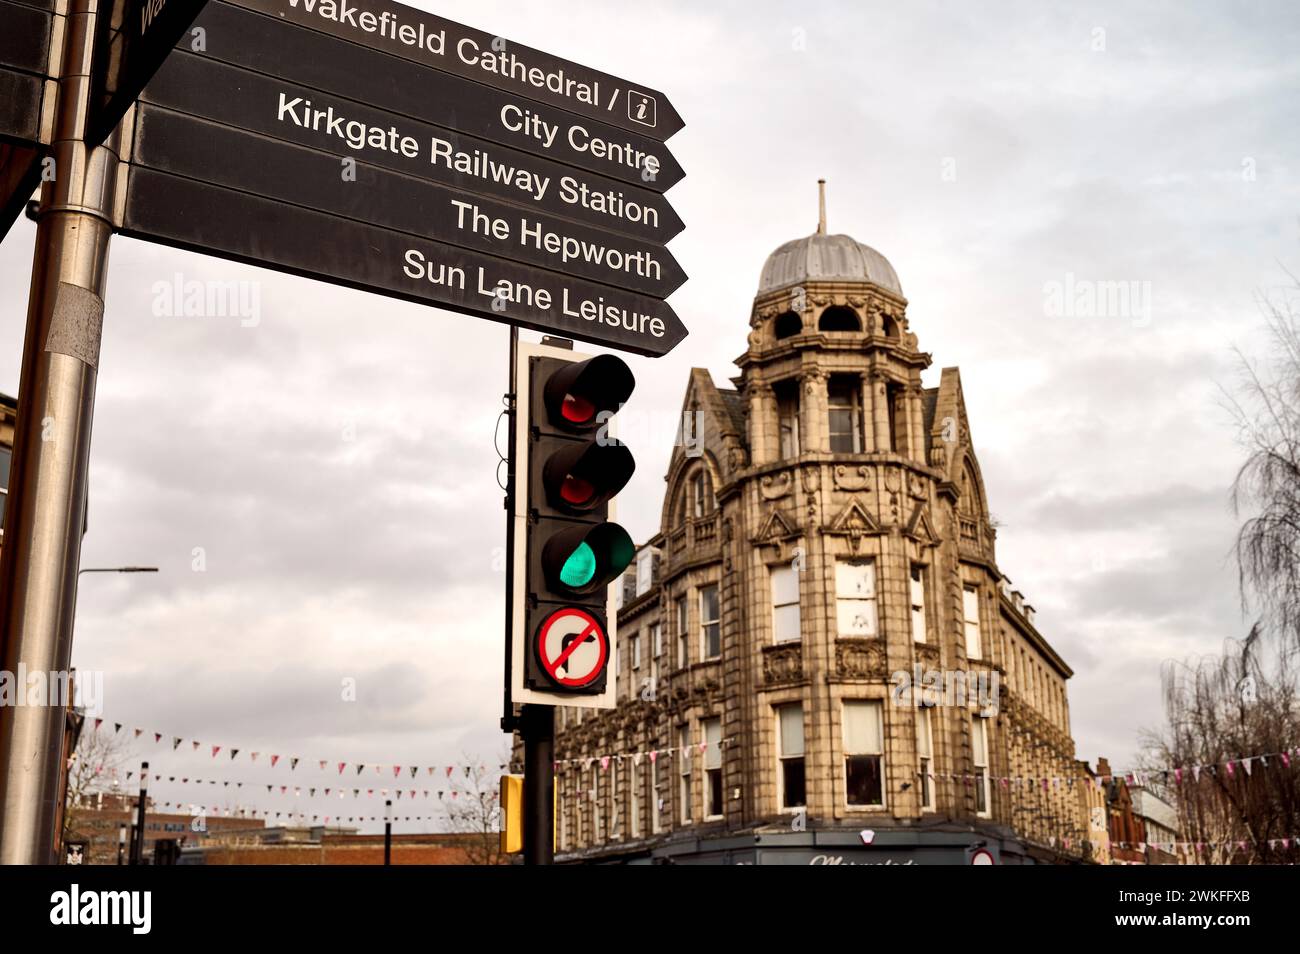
point(508, 722)
point(47, 492)
point(537, 726)
point(535, 723)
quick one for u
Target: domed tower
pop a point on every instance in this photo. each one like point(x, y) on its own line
point(818, 642)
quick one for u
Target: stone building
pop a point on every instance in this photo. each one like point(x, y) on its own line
point(819, 660)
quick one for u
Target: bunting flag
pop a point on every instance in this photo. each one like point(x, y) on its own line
point(233, 753)
point(274, 759)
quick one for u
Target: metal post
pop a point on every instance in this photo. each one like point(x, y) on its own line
point(137, 847)
point(121, 842)
point(388, 832)
point(47, 492)
point(508, 714)
point(537, 726)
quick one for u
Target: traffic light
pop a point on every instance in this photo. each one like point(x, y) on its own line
point(568, 467)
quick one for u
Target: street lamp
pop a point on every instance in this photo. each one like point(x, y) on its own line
point(118, 569)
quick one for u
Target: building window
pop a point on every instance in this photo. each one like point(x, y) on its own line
point(864, 748)
point(564, 820)
point(684, 752)
point(636, 650)
point(787, 413)
point(844, 396)
point(894, 402)
point(701, 495)
point(683, 634)
point(917, 589)
point(615, 804)
point(713, 768)
point(970, 604)
point(656, 804)
point(788, 325)
point(839, 318)
point(789, 720)
point(710, 622)
point(597, 816)
point(785, 604)
point(980, 756)
point(656, 651)
point(634, 783)
point(855, 597)
point(925, 759)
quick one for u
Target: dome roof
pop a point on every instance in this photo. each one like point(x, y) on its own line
point(821, 257)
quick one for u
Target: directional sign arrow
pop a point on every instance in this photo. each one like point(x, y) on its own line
point(182, 145)
point(243, 227)
point(132, 37)
point(236, 97)
point(307, 58)
point(473, 54)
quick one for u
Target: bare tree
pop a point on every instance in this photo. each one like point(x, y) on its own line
point(94, 771)
point(1232, 708)
point(474, 808)
point(1267, 487)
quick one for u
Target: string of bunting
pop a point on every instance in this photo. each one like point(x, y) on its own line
point(297, 790)
point(293, 761)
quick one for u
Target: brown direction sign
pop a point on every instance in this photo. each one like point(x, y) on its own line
point(495, 61)
point(132, 37)
point(189, 214)
point(360, 73)
point(250, 101)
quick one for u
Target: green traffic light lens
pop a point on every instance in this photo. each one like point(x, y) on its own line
point(579, 568)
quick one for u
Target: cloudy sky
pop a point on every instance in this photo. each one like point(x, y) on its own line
point(334, 465)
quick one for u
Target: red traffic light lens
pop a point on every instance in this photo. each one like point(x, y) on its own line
point(577, 409)
point(577, 393)
point(575, 490)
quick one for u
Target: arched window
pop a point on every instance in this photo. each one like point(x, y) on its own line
point(839, 318)
point(969, 504)
point(788, 325)
point(888, 327)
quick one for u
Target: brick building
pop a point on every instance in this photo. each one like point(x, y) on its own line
point(825, 548)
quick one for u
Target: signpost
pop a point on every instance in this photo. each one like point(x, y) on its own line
point(132, 38)
point(366, 144)
point(25, 93)
point(473, 54)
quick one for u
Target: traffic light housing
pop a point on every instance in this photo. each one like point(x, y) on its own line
point(568, 468)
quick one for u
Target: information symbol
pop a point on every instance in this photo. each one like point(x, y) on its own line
point(642, 108)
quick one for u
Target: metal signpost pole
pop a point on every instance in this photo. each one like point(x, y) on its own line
point(537, 726)
point(47, 493)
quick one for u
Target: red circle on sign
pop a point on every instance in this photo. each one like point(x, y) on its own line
point(552, 665)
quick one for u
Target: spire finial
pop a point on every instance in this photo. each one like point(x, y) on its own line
point(821, 206)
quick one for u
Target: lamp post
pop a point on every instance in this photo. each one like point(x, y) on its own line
point(137, 848)
point(117, 569)
point(388, 832)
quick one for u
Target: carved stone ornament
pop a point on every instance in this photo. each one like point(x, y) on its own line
point(776, 486)
point(860, 658)
point(852, 479)
point(782, 664)
point(775, 528)
point(811, 479)
point(854, 522)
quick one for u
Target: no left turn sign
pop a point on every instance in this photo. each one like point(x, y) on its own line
point(572, 647)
